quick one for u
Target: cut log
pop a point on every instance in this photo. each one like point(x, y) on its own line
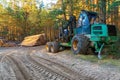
point(34, 40)
point(2, 42)
point(5, 43)
point(10, 44)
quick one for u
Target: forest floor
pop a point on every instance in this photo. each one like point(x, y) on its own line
point(34, 63)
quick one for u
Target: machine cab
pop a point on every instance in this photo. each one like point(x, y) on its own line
point(85, 20)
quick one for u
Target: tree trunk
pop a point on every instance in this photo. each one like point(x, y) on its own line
point(71, 7)
point(119, 17)
point(64, 9)
point(103, 10)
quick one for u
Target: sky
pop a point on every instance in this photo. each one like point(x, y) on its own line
point(49, 1)
point(46, 2)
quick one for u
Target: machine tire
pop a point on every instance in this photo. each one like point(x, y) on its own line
point(54, 48)
point(48, 45)
point(80, 44)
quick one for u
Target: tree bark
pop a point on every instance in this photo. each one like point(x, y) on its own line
point(64, 9)
point(103, 10)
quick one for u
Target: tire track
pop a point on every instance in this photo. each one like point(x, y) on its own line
point(42, 70)
point(4, 71)
point(56, 67)
point(19, 68)
point(46, 71)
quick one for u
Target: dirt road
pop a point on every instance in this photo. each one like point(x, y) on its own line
point(34, 63)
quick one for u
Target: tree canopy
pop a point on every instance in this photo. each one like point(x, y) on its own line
point(20, 18)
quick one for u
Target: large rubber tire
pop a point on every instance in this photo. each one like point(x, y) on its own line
point(54, 47)
point(80, 44)
point(48, 45)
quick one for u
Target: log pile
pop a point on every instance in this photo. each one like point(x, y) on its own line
point(2, 42)
point(34, 40)
point(5, 43)
point(9, 44)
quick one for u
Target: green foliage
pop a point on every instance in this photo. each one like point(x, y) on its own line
point(10, 10)
point(54, 13)
point(19, 14)
point(5, 32)
point(115, 49)
point(113, 5)
point(23, 20)
point(117, 3)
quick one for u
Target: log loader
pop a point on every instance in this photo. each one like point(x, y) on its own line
point(88, 33)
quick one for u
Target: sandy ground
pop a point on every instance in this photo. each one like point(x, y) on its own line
point(34, 63)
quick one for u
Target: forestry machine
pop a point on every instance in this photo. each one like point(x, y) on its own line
point(89, 33)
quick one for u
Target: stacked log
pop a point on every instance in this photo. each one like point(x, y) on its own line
point(5, 43)
point(2, 41)
point(34, 40)
point(9, 44)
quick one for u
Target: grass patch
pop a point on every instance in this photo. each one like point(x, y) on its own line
point(105, 61)
point(90, 58)
point(94, 59)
